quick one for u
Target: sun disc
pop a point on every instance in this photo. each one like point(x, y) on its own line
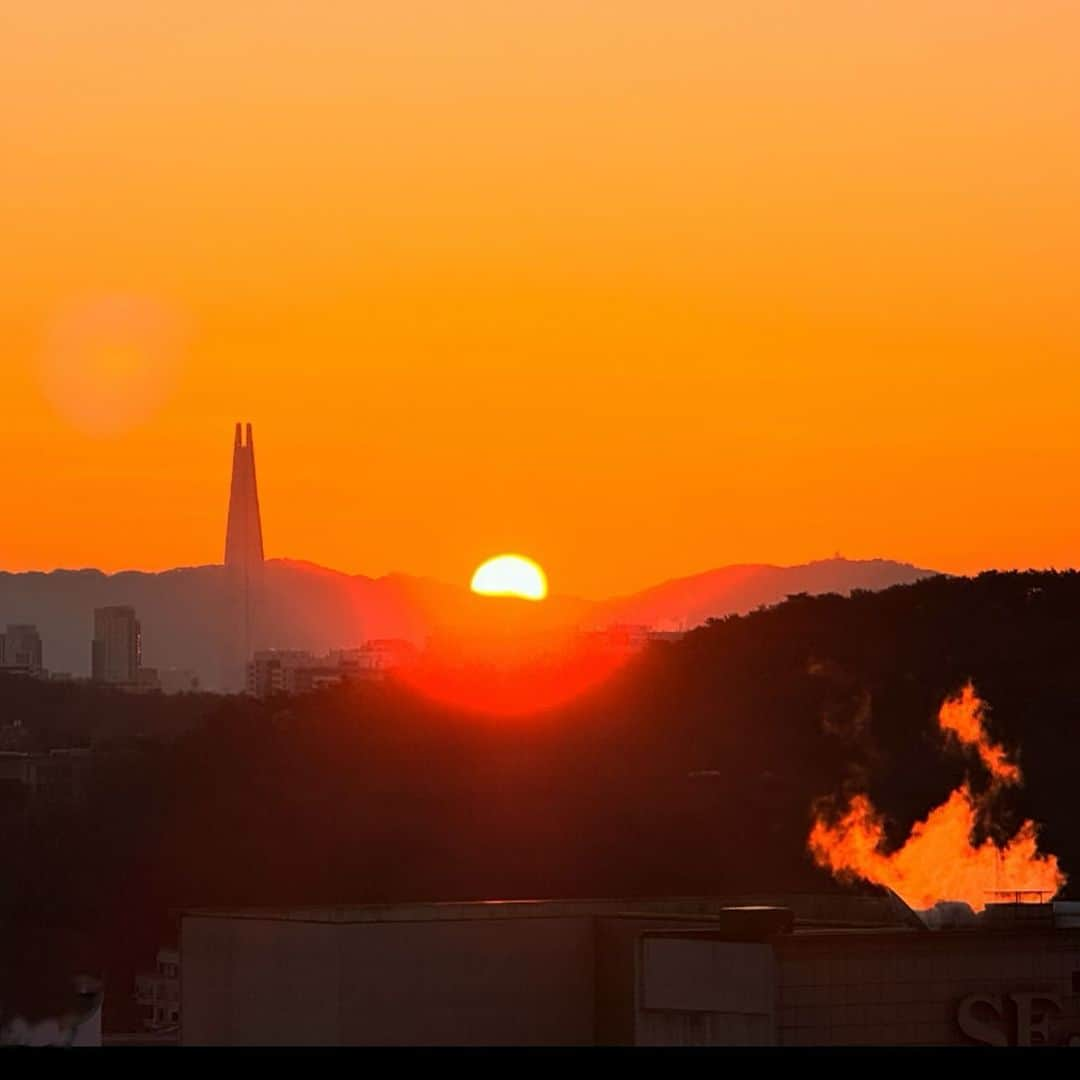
point(510, 575)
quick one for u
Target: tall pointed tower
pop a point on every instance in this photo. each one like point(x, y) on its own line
point(244, 540)
point(243, 560)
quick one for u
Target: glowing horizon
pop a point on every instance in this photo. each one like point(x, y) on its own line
point(641, 290)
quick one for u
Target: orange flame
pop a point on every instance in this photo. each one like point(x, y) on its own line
point(938, 860)
point(962, 717)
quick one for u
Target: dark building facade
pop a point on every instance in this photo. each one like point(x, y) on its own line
point(244, 558)
point(116, 651)
point(799, 970)
point(21, 651)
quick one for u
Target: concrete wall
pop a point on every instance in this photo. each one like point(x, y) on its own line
point(930, 989)
point(889, 989)
point(706, 993)
point(618, 940)
point(255, 981)
point(518, 981)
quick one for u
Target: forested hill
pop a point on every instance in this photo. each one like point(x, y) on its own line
point(695, 770)
point(857, 682)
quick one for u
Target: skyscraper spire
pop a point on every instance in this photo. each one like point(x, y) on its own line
point(243, 539)
point(243, 559)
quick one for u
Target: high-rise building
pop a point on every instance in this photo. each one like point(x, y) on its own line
point(243, 538)
point(243, 560)
point(116, 652)
point(20, 650)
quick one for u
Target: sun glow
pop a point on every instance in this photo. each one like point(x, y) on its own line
point(510, 575)
point(110, 362)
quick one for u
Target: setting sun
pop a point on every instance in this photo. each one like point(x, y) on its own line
point(510, 575)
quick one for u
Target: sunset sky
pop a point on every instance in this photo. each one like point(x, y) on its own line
point(637, 289)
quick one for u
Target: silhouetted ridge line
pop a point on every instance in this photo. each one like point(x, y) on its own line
point(189, 619)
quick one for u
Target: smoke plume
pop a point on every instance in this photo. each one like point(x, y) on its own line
point(938, 860)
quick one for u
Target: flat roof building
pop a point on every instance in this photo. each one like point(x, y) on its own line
point(20, 650)
point(793, 970)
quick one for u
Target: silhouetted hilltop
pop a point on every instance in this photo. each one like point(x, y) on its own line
point(188, 614)
point(684, 603)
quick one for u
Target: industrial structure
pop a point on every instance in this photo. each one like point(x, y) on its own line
point(793, 970)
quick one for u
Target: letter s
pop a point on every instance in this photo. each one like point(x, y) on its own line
point(980, 1030)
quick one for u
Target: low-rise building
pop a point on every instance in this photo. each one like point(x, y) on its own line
point(375, 659)
point(284, 671)
point(42, 780)
point(796, 970)
point(21, 651)
point(157, 993)
point(269, 670)
point(178, 681)
point(628, 639)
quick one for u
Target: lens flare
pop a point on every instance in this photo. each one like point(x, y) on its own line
point(500, 654)
point(544, 675)
point(110, 361)
point(510, 575)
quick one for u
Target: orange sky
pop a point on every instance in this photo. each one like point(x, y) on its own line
point(637, 289)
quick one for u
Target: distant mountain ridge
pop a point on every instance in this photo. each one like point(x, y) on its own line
point(683, 603)
point(186, 612)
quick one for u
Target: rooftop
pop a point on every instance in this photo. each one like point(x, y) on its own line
point(808, 909)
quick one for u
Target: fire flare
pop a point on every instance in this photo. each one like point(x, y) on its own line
point(938, 860)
